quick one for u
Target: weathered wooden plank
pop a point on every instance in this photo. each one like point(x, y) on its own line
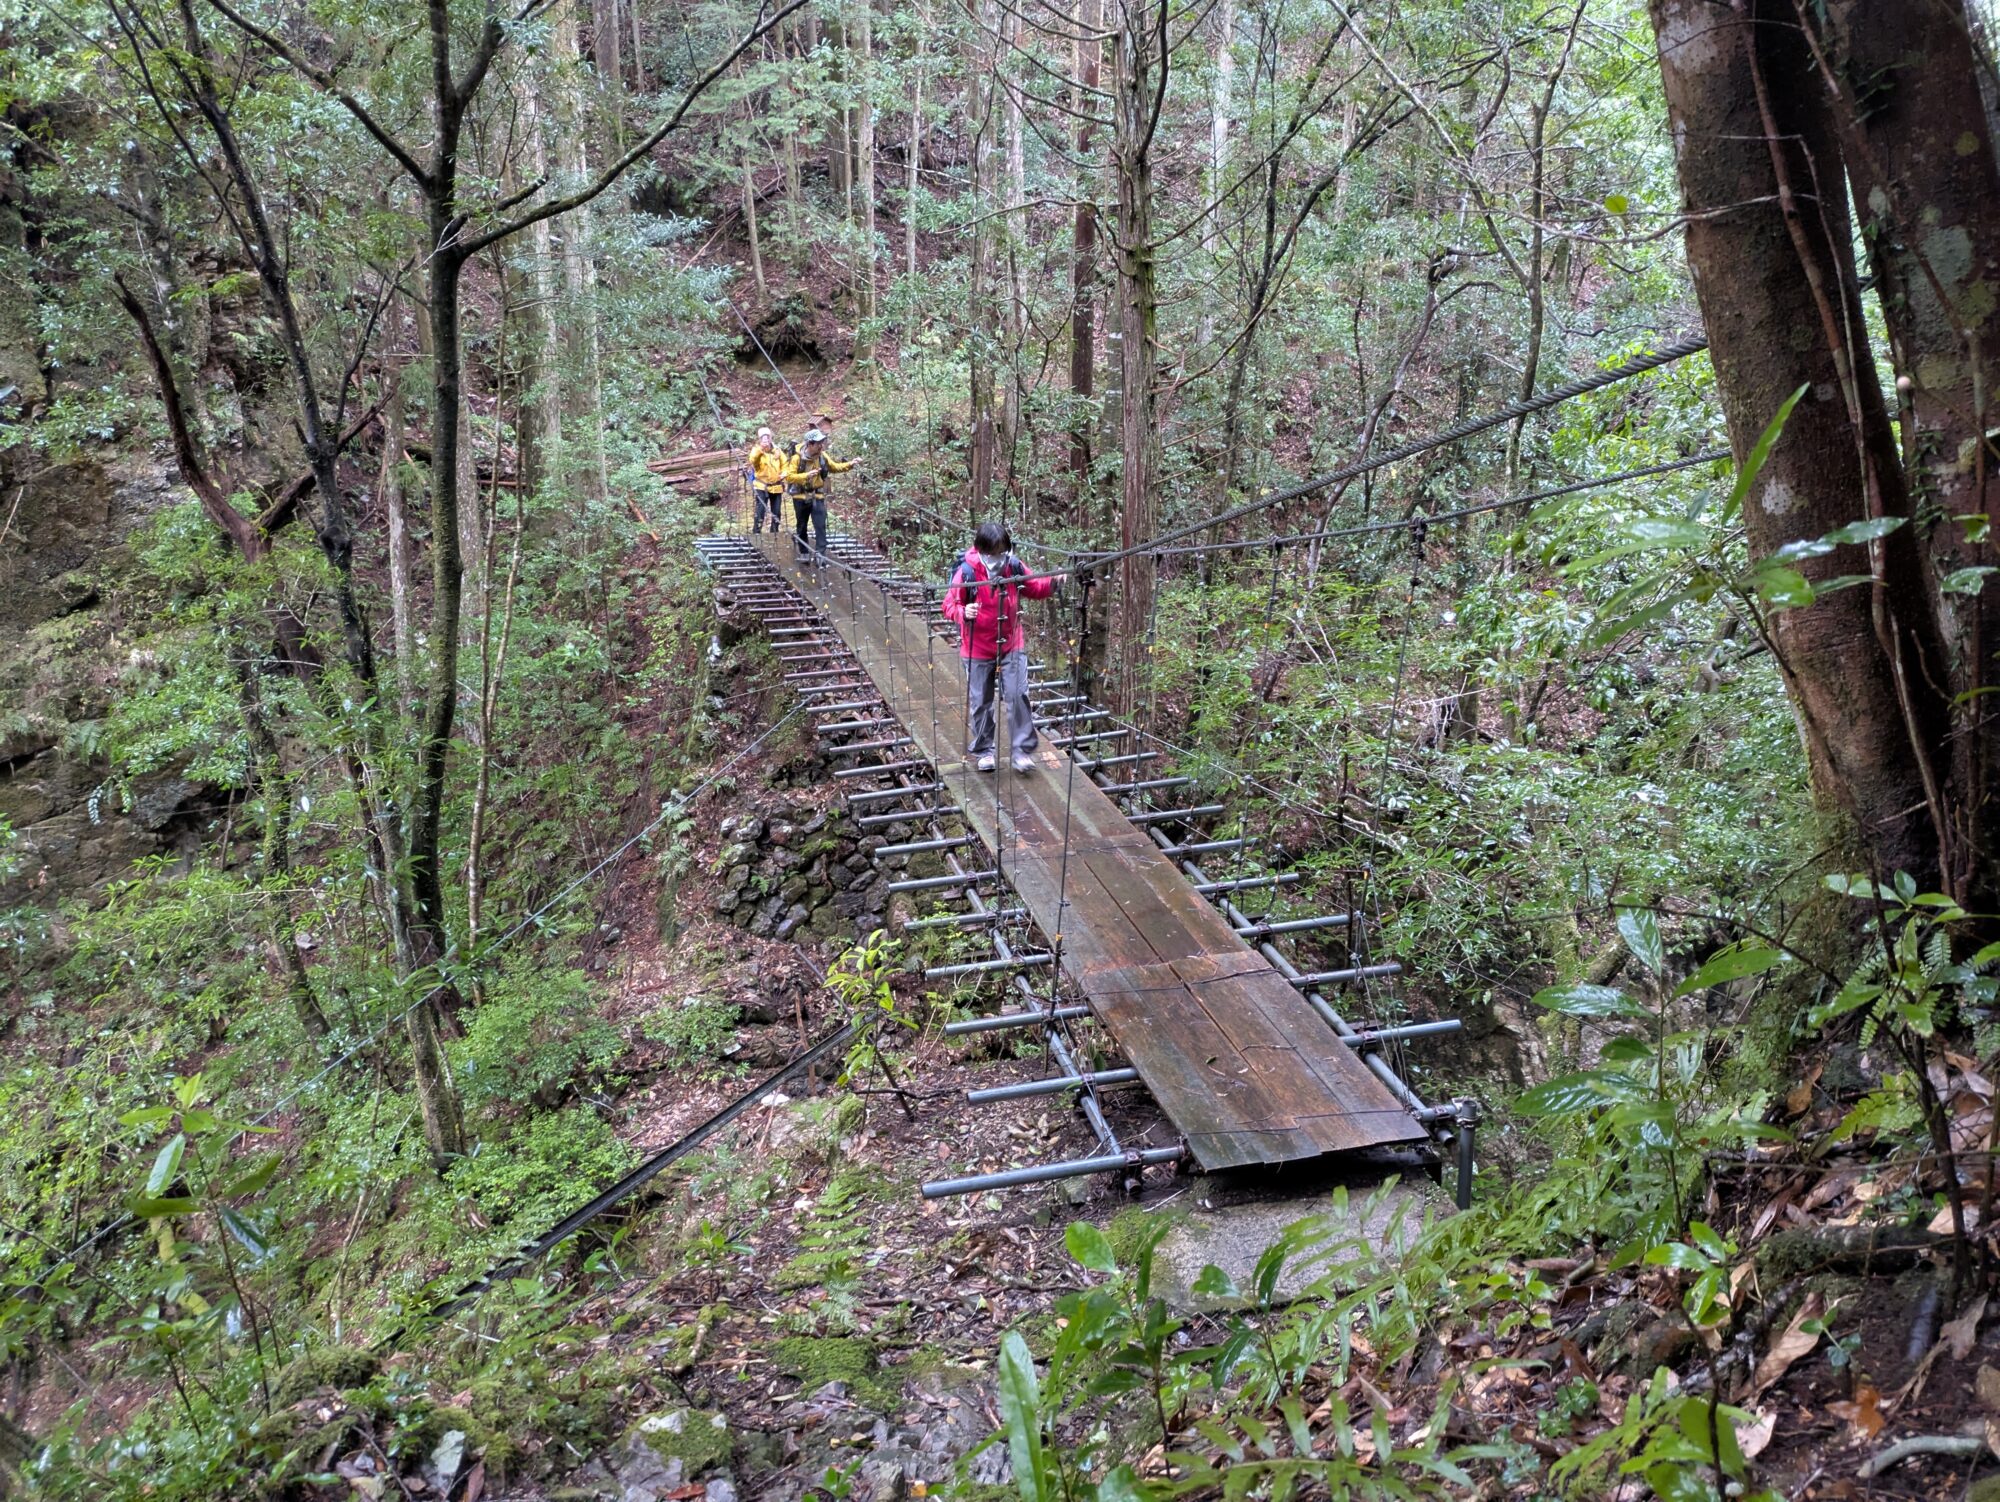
point(1234, 1056)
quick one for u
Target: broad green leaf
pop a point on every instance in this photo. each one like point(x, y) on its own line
point(1796, 552)
point(147, 1116)
point(1759, 452)
point(1648, 1123)
point(1784, 587)
point(1571, 1094)
point(1089, 1247)
point(166, 1165)
point(1966, 581)
point(1649, 532)
point(1627, 1050)
point(1220, 1437)
point(246, 1234)
point(255, 1179)
point(1677, 1254)
point(1213, 1283)
point(1851, 998)
point(197, 1122)
point(1704, 1237)
point(1233, 1351)
point(1294, 1414)
point(1640, 927)
point(1583, 1000)
point(1021, 1411)
point(1865, 531)
point(1616, 203)
point(1732, 962)
point(1607, 631)
point(1122, 1484)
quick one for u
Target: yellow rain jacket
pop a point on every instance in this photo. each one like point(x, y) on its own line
point(809, 475)
point(769, 467)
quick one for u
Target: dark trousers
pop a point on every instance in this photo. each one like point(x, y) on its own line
point(987, 683)
point(768, 503)
point(810, 506)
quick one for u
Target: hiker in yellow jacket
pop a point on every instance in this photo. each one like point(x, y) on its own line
point(767, 481)
point(806, 476)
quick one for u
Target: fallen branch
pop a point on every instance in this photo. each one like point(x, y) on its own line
point(645, 524)
point(1922, 1444)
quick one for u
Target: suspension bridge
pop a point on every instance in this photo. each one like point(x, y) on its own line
point(1081, 884)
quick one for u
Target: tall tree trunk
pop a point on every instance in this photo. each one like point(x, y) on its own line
point(586, 411)
point(541, 434)
point(1218, 126)
point(1221, 101)
point(1767, 274)
point(1013, 232)
point(839, 146)
point(471, 528)
point(1921, 156)
point(426, 943)
point(915, 164)
point(864, 146)
point(1083, 234)
point(983, 333)
point(1536, 271)
point(750, 223)
point(607, 38)
point(395, 505)
point(1139, 84)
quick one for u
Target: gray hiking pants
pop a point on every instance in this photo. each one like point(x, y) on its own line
point(1011, 683)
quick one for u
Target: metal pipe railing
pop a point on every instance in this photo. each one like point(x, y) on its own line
point(1045, 1173)
point(1054, 1085)
point(1004, 1020)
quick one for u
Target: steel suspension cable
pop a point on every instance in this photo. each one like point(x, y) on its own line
point(1636, 366)
point(1424, 519)
point(797, 401)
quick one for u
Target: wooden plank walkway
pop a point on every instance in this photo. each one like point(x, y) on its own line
point(1235, 1056)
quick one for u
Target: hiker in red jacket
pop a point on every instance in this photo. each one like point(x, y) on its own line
point(984, 600)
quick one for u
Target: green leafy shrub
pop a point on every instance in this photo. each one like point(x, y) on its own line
point(538, 1034)
point(694, 1030)
point(555, 1163)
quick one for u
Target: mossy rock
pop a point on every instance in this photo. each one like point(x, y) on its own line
point(423, 1434)
point(335, 1367)
point(1873, 1250)
point(699, 1440)
point(819, 1359)
point(299, 1436)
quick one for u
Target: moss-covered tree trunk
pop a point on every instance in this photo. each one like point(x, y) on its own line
point(1139, 84)
point(1778, 291)
point(1920, 153)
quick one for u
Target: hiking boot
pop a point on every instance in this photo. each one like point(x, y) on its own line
point(1024, 763)
point(986, 762)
